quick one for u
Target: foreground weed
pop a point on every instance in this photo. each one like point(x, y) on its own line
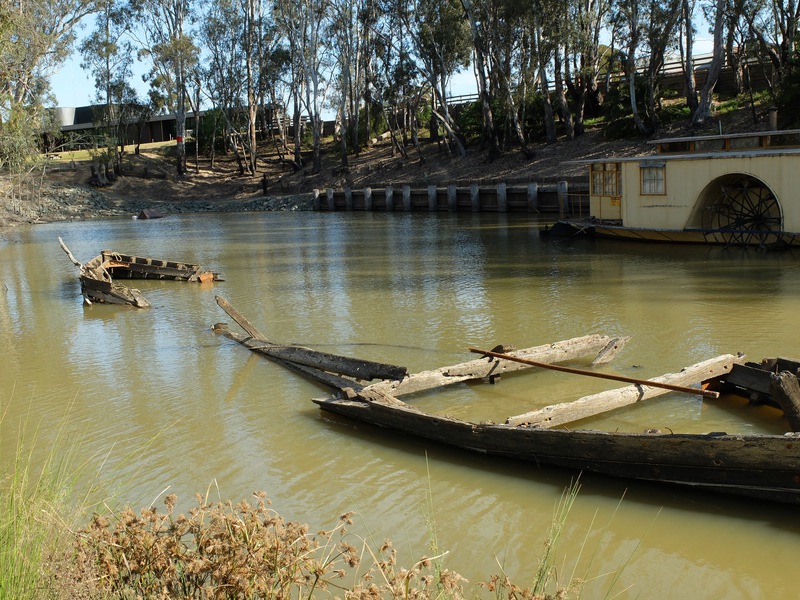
point(38, 505)
point(546, 584)
point(246, 550)
point(46, 493)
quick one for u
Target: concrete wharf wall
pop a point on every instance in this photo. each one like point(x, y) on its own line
point(562, 198)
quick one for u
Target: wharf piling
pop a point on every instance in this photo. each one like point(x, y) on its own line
point(562, 198)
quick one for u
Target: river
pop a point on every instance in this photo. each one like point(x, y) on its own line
point(151, 400)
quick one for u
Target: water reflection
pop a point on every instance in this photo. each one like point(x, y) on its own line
point(165, 403)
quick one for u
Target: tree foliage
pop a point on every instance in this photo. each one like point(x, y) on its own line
point(271, 69)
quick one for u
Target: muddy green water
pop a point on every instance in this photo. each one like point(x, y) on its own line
point(152, 400)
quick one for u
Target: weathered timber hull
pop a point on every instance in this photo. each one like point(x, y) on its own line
point(758, 466)
point(107, 292)
point(127, 266)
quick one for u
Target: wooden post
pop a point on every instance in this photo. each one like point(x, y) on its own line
point(533, 197)
point(502, 198)
point(786, 392)
point(348, 198)
point(563, 198)
point(475, 197)
point(367, 198)
point(407, 198)
point(433, 199)
point(452, 198)
point(317, 201)
point(389, 194)
point(331, 204)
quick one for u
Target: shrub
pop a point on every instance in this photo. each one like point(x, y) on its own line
point(222, 550)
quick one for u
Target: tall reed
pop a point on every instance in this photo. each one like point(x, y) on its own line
point(37, 508)
point(48, 488)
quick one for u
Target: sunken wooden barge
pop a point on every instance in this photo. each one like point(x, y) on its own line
point(98, 276)
point(128, 266)
point(753, 465)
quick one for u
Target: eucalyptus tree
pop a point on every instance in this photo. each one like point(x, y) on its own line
point(304, 24)
point(168, 44)
point(556, 40)
point(36, 36)
point(543, 49)
point(590, 19)
point(396, 81)
point(107, 54)
point(661, 36)
point(687, 53)
point(253, 12)
point(222, 72)
point(261, 38)
point(500, 31)
point(702, 108)
point(775, 25)
point(441, 42)
point(348, 37)
point(651, 31)
point(481, 25)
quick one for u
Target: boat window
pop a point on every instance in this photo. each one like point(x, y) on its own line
point(605, 179)
point(653, 178)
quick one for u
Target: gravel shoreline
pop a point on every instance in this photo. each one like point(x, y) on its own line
point(59, 202)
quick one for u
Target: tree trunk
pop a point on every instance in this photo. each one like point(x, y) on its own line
point(630, 67)
point(688, 57)
point(549, 120)
point(703, 110)
point(489, 130)
point(561, 97)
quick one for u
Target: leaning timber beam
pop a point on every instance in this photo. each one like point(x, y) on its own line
point(602, 346)
point(322, 361)
point(589, 406)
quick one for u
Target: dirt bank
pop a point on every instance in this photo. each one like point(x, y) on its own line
point(62, 192)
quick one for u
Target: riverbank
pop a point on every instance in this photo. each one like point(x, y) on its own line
point(61, 189)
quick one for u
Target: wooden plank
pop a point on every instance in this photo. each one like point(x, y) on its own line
point(588, 406)
point(483, 368)
point(751, 379)
point(240, 319)
point(611, 350)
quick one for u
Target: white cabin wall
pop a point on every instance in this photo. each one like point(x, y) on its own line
point(686, 179)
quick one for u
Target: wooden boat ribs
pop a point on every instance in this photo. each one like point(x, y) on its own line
point(98, 275)
point(764, 466)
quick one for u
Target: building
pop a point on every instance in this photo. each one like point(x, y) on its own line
point(735, 189)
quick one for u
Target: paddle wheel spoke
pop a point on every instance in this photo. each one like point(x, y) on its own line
point(745, 214)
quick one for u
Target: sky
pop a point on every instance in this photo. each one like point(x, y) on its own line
point(73, 87)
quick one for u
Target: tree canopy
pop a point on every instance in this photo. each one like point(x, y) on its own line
point(542, 68)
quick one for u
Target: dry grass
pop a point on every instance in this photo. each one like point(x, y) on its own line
point(222, 550)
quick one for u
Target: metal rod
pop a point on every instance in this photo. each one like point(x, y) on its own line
point(648, 382)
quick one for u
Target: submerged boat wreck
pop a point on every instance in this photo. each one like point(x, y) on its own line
point(98, 275)
point(127, 266)
point(755, 465)
point(97, 284)
point(732, 190)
